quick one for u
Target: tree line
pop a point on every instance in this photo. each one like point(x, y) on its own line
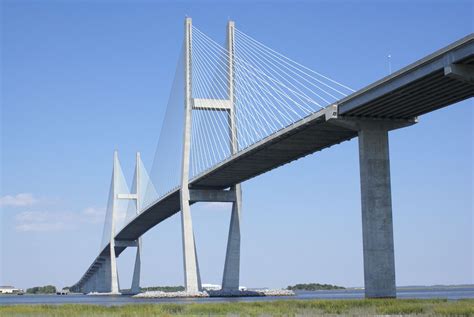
point(313, 287)
point(163, 288)
point(48, 289)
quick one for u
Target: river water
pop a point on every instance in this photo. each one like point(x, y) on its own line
point(423, 293)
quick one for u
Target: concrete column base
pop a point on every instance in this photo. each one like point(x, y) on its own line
point(377, 222)
point(137, 269)
point(192, 278)
point(231, 276)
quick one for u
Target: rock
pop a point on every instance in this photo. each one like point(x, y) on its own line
point(216, 293)
point(102, 294)
point(160, 294)
point(278, 292)
point(227, 293)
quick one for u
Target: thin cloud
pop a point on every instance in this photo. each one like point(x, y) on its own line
point(19, 200)
point(42, 221)
point(93, 215)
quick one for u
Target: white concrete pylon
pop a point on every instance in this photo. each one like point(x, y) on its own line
point(139, 192)
point(192, 279)
point(106, 278)
point(230, 280)
point(114, 284)
point(231, 276)
point(138, 197)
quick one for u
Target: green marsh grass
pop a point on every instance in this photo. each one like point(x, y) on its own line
point(361, 307)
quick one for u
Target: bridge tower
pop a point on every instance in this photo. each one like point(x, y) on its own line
point(105, 277)
point(138, 197)
point(230, 279)
point(140, 175)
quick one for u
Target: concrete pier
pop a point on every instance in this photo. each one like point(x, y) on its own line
point(377, 222)
point(191, 269)
point(137, 269)
point(231, 276)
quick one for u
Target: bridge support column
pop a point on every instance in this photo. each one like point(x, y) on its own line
point(230, 280)
point(377, 222)
point(192, 279)
point(110, 275)
point(138, 198)
point(376, 201)
point(232, 262)
point(231, 276)
point(114, 282)
point(137, 269)
point(107, 276)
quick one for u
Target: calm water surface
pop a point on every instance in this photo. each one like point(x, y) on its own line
point(426, 293)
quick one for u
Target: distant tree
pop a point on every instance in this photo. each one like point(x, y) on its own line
point(48, 289)
point(163, 288)
point(313, 287)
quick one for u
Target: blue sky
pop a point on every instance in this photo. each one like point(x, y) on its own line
point(82, 78)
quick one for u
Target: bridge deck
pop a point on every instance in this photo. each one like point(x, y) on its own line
point(417, 89)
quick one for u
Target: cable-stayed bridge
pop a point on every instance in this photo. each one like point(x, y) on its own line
point(239, 110)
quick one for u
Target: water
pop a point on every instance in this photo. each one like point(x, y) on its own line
point(423, 293)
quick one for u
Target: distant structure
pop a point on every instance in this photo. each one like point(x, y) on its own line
point(249, 109)
point(64, 291)
point(10, 290)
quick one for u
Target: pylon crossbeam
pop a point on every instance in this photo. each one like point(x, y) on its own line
point(127, 196)
point(212, 104)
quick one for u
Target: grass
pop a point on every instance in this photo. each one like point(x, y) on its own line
point(430, 307)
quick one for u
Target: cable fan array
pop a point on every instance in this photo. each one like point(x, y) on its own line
point(271, 92)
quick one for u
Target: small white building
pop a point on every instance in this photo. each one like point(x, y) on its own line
point(10, 290)
point(64, 291)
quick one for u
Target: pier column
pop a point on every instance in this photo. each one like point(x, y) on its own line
point(136, 271)
point(107, 278)
point(377, 222)
point(114, 281)
point(191, 269)
point(135, 288)
point(231, 277)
